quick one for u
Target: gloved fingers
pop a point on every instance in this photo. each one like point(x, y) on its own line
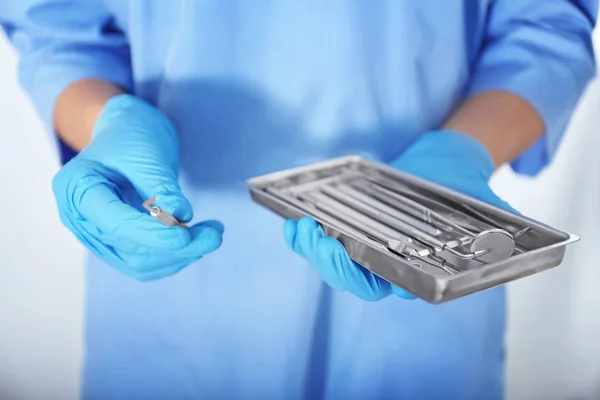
point(334, 265)
point(472, 183)
point(402, 293)
point(302, 236)
point(146, 274)
point(98, 203)
point(147, 261)
point(481, 190)
point(329, 257)
point(146, 264)
point(164, 272)
point(212, 223)
point(290, 228)
point(85, 238)
point(487, 194)
point(170, 198)
point(121, 245)
point(102, 250)
point(206, 237)
point(304, 243)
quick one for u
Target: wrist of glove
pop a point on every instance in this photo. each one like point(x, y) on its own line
point(448, 158)
point(134, 155)
point(453, 160)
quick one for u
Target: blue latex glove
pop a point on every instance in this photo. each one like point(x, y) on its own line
point(452, 159)
point(133, 156)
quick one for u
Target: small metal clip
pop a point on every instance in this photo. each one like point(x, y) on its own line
point(161, 215)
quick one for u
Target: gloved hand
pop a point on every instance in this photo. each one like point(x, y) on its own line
point(448, 158)
point(134, 155)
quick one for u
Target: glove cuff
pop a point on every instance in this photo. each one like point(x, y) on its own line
point(111, 110)
point(133, 109)
point(443, 147)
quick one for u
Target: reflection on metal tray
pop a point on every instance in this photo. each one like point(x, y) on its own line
point(436, 243)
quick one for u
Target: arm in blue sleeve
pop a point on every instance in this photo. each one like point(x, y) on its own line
point(542, 51)
point(61, 42)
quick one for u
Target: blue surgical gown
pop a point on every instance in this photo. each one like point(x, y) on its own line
point(256, 86)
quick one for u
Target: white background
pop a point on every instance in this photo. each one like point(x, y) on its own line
point(554, 317)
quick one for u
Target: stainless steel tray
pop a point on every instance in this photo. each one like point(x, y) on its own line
point(429, 240)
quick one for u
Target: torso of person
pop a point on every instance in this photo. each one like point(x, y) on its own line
point(257, 86)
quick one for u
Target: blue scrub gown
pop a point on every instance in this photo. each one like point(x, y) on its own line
point(256, 86)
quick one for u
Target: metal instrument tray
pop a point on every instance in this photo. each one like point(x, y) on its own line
point(429, 240)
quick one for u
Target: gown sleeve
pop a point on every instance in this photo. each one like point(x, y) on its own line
point(542, 51)
point(61, 42)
